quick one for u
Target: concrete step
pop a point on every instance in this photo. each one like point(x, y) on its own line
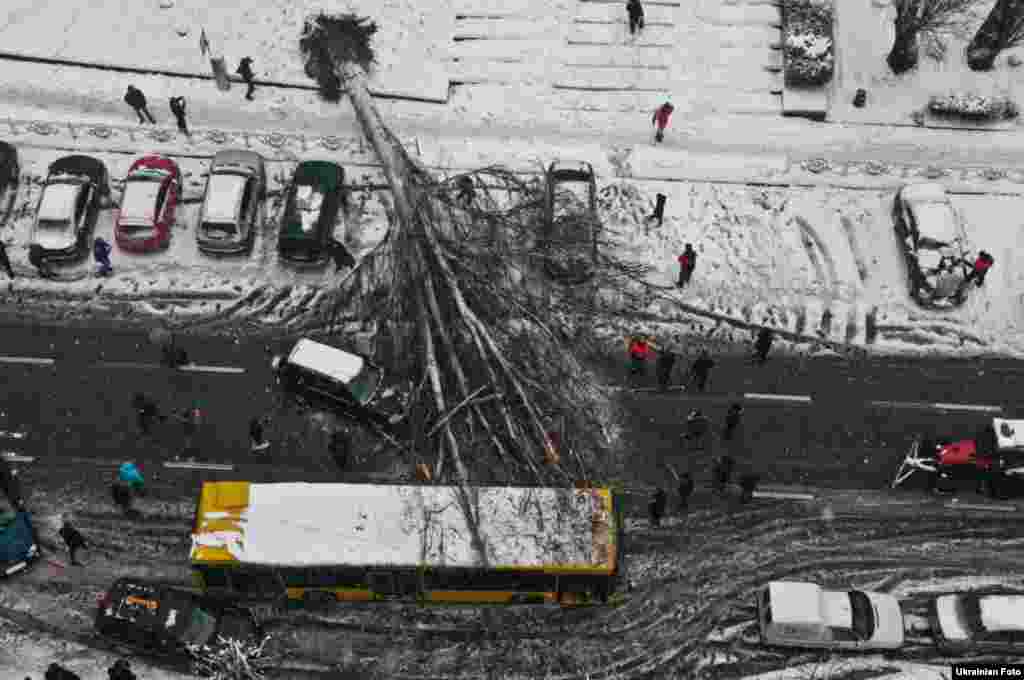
point(618, 55)
point(602, 34)
point(747, 36)
point(506, 29)
point(653, 14)
point(613, 78)
point(507, 49)
point(757, 15)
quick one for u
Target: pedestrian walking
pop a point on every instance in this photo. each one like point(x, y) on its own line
point(121, 493)
point(134, 98)
point(245, 70)
point(130, 474)
point(686, 487)
point(982, 264)
point(191, 418)
point(101, 253)
point(765, 337)
point(73, 539)
point(5, 261)
point(172, 355)
point(660, 120)
point(37, 258)
point(147, 412)
point(340, 447)
point(636, 16)
point(339, 253)
point(178, 109)
point(687, 262)
point(121, 670)
point(748, 484)
point(697, 427)
point(701, 370)
point(656, 508)
point(732, 421)
point(722, 474)
point(663, 366)
point(257, 440)
point(467, 192)
point(639, 351)
point(659, 210)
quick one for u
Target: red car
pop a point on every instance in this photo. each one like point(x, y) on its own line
point(150, 199)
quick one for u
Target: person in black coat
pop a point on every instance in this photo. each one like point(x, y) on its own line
point(339, 253)
point(147, 412)
point(748, 484)
point(663, 366)
point(722, 473)
point(73, 539)
point(340, 447)
point(134, 98)
point(656, 507)
point(701, 369)
point(732, 421)
point(636, 16)
point(5, 261)
point(256, 437)
point(178, 109)
point(245, 70)
point(763, 344)
point(686, 486)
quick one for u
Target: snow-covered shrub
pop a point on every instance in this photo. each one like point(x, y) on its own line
point(807, 42)
point(973, 106)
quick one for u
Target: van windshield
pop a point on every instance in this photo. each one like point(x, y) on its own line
point(863, 615)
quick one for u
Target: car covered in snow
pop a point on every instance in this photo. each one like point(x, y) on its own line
point(148, 205)
point(934, 244)
point(68, 206)
point(235, 191)
point(794, 614)
point(9, 168)
point(340, 381)
point(992, 460)
point(978, 622)
point(312, 205)
point(571, 222)
point(166, 619)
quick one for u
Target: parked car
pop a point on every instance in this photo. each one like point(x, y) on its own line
point(235, 191)
point(311, 207)
point(164, 619)
point(9, 169)
point(934, 244)
point(340, 381)
point(992, 460)
point(975, 622)
point(792, 614)
point(18, 546)
point(148, 205)
point(69, 205)
point(569, 246)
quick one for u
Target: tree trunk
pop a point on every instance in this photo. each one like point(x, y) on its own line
point(994, 34)
point(903, 55)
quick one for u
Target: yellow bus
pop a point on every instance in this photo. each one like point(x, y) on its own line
point(316, 543)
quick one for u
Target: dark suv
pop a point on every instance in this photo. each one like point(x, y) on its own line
point(164, 619)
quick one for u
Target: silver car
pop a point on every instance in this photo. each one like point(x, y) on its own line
point(235, 190)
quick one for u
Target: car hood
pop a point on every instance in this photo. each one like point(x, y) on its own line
point(889, 623)
point(54, 240)
point(949, 623)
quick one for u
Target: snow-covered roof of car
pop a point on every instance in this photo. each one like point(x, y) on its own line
point(794, 602)
point(329, 361)
point(300, 524)
point(937, 221)
point(1009, 433)
point(1002, 612)
point(224, 196)
point(139, 200)
point(59, 201)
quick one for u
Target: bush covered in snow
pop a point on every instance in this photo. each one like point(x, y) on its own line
point(973, 106)
point(808, 42)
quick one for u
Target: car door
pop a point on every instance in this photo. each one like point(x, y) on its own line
point(844, 639)
point(82, 210)
point(247, 211)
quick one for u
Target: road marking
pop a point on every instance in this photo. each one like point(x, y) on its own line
point(901, 404)
point(127, 364)
point(193, 368)
point(39, 361)
point(968, 407)
point(977, 506)
point(780, 397)
point(12, 435)
point(185, 465)
point(784, 495)
point(13, 457)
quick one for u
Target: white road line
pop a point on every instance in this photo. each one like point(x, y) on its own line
point(779, 397)
point(127, 364)
point(968, 407)
point(901, 404)
point(12, 457)
point(974, 506)
point(784, 495)
point(12, 435)
point(184, 465)
point(192, 368)
point(38, 361)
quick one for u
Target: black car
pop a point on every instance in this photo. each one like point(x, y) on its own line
point(69, 205)
point(9, 169)
point(165, 619)
point(312, 206)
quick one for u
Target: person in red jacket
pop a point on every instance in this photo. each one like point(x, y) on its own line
point(981, 267)
point(687, 261)
point(660, 119)
point(639, 351)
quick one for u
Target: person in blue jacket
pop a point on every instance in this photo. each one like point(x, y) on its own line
point(101, 252)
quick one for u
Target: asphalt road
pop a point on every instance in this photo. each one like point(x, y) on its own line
point(839, 435)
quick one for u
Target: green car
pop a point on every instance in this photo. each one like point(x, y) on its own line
point(311, 206)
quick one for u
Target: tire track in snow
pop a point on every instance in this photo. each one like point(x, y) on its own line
point(871, 321)
point(814, 245)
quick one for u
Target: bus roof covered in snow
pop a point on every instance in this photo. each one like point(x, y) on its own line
point(300, 524)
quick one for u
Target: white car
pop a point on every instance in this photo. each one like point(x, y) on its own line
point(793, 614)
point(972, 622)
point(934, 244)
